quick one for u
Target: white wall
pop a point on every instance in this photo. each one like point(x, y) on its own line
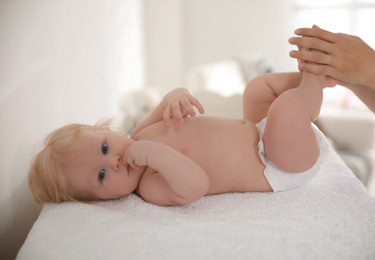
point(68, 61)
point(60, 62)
point(182, 34)
point(164, 50)
point(232, 27)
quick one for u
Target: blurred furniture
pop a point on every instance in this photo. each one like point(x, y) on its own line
point(230, 76)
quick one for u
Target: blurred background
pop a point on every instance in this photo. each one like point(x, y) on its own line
point(74, 61)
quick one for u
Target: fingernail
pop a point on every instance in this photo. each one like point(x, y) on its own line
point(298, 31)
point(292, 40)
point(292, 53)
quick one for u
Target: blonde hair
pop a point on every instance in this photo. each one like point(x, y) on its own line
point(47, 176)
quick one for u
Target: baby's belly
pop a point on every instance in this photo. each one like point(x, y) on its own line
point(226, 149)
point(234, 164)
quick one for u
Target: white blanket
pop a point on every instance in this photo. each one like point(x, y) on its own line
point(333, 217)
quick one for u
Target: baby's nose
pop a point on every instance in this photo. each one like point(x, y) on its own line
point(116, 161)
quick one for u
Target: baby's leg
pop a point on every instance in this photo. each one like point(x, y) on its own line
point(289, 138)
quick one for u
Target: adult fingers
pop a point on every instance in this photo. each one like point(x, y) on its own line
point(320, 69)
point(312, 44)
point(311, 56)
point(316, 32)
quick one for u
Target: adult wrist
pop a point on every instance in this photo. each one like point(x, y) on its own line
point(371, 73)
point(371, 83)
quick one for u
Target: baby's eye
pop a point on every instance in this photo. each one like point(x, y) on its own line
point(101, 175)
point(104, 148)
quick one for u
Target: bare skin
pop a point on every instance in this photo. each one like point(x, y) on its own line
point(344, 57)
point(207, 141)
point(175, 158)
point(226, 150)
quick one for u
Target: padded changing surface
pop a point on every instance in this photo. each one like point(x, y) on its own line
point(333, 217)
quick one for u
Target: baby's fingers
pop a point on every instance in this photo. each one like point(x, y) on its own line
point(176, 111)
point(135, 166)
point(177, 126)
point(185, 103)
point(129, 159)
point(167, 115)
point(197, 104)
point(172, 111)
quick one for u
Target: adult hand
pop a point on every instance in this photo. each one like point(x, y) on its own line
point(344, 57)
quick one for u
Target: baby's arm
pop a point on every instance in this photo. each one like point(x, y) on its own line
point(263, 90)
point(177, 104)
point(177, 179)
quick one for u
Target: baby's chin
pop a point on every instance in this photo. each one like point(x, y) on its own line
point(137, 170)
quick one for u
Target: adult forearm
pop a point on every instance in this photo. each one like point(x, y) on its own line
point(364, 93)
point(344, 57)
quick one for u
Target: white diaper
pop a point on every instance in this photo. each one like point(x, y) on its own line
point(281, 180)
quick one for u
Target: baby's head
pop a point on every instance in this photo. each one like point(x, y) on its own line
point(82, 163)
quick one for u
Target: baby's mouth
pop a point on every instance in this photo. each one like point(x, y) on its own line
point(127, 166)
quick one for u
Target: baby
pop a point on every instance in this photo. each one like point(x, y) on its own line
point(175, 158)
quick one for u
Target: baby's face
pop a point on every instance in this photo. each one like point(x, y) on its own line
point(99, 169)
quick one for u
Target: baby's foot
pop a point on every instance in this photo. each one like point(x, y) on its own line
point(327, 81)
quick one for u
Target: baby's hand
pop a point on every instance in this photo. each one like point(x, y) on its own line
point(136, 155)
point(178, 104)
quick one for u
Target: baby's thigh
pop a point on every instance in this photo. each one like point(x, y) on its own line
point(289, 139)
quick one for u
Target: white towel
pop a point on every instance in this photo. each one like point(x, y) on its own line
point(333, 217)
